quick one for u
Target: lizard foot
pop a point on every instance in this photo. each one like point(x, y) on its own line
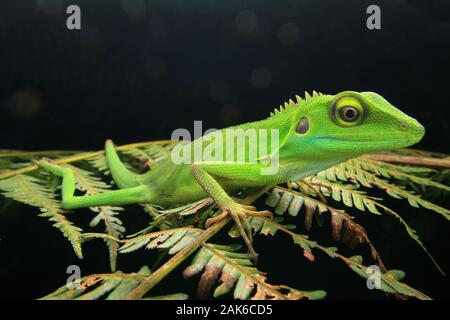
point(239, 214)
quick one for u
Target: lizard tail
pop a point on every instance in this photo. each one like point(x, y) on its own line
point(121, 175)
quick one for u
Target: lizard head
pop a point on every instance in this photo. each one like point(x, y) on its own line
point(351, 123)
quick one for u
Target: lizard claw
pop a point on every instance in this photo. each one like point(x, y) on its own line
point(216, 219)
point(239, 214)
point(247, 207)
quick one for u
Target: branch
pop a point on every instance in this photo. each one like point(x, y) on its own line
point(411, 160)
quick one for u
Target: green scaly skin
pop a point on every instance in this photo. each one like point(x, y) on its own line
point(332, 135)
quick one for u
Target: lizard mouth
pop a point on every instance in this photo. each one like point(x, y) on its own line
point(361, 139)
point(370, 143)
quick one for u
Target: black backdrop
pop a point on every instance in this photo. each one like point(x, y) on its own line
point(139, 69)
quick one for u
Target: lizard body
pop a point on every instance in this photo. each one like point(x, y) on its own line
point(312, 134)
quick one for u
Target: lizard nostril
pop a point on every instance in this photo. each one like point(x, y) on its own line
point(403, 126)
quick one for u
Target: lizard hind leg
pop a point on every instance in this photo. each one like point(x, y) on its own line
point(138, 194)
point(120, 173)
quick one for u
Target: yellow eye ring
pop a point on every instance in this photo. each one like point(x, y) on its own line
point(347, 111)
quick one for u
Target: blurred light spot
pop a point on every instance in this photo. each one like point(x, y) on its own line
point(219, 91)
point(245, 21)
point(154, 67)
point(50, 7)
point(261, 78)
point(135, 9)
point(288, 34)
point(26, 102)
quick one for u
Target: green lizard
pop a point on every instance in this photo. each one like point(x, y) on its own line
point(312, 134)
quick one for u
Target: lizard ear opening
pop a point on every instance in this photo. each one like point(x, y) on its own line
point(303, 126)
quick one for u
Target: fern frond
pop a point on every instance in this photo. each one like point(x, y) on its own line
point(349, 196)
point(113, 286)
point(142, 156)
point(188, 209)
point(414, 152)
point(172, 239)
point(352, 170)
point(99, 162)
point(7, 164)
point(238, 274)
point(32, 191)
point(390, 280)
point(398, 191)
point(113, 227)
point(181, 216)
point(388, 171)
point(180, 231)
point(86, 182)
point(175, 296)
point(342, 226)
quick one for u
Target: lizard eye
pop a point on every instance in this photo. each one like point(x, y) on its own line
point(347, 111)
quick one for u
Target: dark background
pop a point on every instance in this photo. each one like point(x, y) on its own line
point(137, 70)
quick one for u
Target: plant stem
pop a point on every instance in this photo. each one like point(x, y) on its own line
point(20, 153)
point(411, 160)
point(166, 268)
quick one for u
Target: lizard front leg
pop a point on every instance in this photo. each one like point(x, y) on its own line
point(228, 206)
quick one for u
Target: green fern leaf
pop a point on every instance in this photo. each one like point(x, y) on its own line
point(172, 239)
point(223, 268)
point(390, 280)
point(113, 286)
point(86, 182)
point(398, 172)
point(371, 204)
point(32, 191)
point(236, 271)
point(175, 296)
point(99, 162)
point(355, 171)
